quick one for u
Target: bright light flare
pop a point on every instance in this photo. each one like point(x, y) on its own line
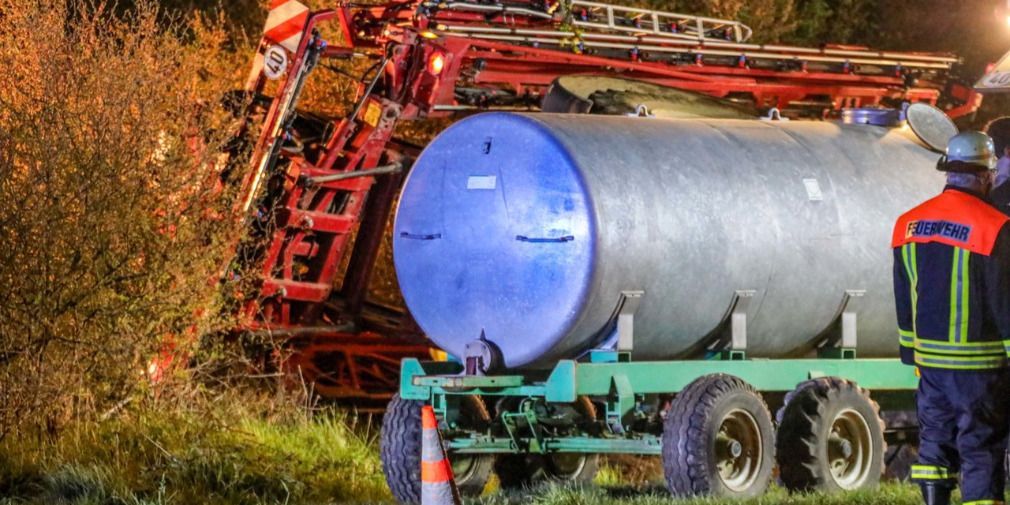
point(436, 63)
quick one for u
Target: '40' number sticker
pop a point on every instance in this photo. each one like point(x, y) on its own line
point(997, 79)
point(275, 62)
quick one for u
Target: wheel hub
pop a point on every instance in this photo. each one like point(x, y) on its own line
point(738, 450)
point(735, 449)
point(842, 446)
point(850, 450)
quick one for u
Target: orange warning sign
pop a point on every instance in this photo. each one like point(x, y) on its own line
point(286, 23)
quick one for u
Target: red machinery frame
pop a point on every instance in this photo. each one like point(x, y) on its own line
point(440, 60)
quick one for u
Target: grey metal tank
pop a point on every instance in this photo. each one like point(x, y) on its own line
point(527, 228)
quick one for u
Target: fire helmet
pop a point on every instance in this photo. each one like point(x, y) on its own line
point(968, 152)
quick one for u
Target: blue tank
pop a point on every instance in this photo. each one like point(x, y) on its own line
point(526, 228)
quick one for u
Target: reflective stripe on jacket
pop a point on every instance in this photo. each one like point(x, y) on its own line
point(952, 283)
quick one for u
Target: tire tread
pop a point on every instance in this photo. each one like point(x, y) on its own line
point(799, 419)
point(684, 450)
point(400, 449)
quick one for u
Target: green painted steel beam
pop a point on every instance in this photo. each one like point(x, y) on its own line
point(646, 377)
point(460, 381)
point(570, 379)
point(418, 380)
point(647, 445)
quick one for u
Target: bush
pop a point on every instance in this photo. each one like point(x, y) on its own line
point(109, 126)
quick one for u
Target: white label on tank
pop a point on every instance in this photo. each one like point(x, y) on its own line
point(482, 182)
point(814, 193)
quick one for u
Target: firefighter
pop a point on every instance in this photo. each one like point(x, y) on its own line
point(951, 271)
point(999, 130)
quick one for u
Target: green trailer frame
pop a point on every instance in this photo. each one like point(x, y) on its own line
point(714, 409)
point(623, 386)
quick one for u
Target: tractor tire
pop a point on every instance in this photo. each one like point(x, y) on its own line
point(516, 471)
point(400, 449)
point(898, 461)
point(400, 452)
point(830, 437)
point(572, 468)
point(472, 471)
point(902, 450)
point(718, 440)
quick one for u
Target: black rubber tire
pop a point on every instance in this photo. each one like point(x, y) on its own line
point(518, 471)
point(689, 433)
point(904, 452)
point(515, 470)
point(580, 469)
point(805, 423)
point(558, 468)
point(471, 472)
point(400, 452)
point(898, 461)
point(400, 449)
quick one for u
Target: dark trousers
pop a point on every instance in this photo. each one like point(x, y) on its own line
point(963, 426)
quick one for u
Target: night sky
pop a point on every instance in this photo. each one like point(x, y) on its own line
point(977, 30)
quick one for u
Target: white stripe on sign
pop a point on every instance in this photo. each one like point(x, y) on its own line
point(284, 12)
point(286, 23)
point(291, 44)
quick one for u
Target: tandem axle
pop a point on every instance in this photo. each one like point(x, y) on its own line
point(708, 419)
point(624, 383)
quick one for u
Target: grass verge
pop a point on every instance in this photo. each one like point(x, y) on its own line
point(889, 494)
point(235, 456)
point(197, 458)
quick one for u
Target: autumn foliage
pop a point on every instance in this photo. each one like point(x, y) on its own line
point(111, 235)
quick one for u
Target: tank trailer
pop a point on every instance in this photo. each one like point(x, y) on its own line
point(640, 285)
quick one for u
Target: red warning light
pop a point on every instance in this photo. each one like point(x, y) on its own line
point(436, 63)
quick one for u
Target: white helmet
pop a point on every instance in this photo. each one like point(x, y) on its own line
point(968, 152)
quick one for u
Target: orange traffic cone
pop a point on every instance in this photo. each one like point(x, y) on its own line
point(437, 485)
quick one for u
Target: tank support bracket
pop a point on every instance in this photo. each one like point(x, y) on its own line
point(731, 335)
point(839, 340)
point(620, 330)
point(626, 308)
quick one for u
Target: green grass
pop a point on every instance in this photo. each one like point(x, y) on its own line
point(238, 457)
point(889, 494)
point(197, 459)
